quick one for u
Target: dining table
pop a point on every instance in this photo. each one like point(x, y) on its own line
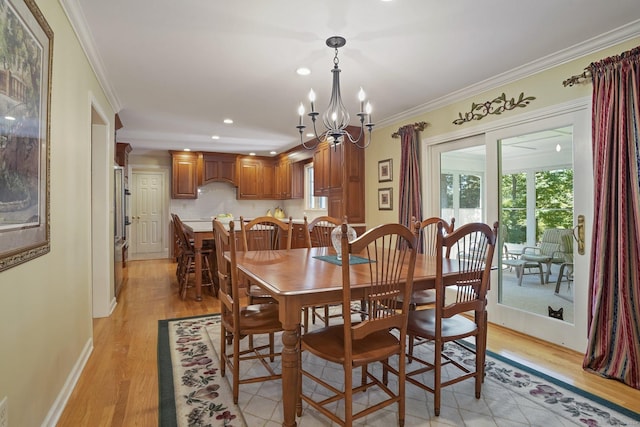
point(297, 278)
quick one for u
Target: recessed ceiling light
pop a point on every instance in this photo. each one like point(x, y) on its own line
point(273, 152)
point(187, 149)
point(228, 121)
point(252, 154)
point(303, 71)
point(215, 137)
point(309, 135)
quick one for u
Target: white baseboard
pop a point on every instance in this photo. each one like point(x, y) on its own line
point(63, 397)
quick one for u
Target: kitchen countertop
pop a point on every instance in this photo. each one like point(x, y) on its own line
point(237, 221)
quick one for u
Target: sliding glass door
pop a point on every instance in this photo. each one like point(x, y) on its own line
point(535, 179)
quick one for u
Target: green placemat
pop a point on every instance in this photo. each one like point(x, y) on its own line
point(333, 259)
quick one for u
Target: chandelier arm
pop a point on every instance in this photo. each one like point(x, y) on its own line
point(367, 140)
point(318, 140)
point(355, 141)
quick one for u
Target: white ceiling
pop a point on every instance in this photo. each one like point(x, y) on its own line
point(175, 69)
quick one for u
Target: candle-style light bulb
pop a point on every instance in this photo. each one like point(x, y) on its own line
point(361, 97)
point(312, 99)
point(368, 111)
point(301, 112)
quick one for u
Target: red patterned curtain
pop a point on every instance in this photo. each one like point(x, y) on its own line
point(410, 192)
point(613, 349)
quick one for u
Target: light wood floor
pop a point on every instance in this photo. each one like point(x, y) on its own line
point(119, 385)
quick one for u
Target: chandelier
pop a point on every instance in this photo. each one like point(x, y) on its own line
point(336, 117)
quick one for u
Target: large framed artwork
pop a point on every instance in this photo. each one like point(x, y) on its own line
point(26, 49)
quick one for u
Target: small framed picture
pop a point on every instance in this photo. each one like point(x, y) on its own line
point(385, 199)
point(385, 170)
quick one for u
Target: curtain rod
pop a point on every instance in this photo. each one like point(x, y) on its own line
point(419, 126)
point(578, 78)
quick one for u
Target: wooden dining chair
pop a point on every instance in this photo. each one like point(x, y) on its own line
point(239, 321)
point(389, 255)
point(318, 235)
point(427, 232)
point(260, 234)
point(456, 294)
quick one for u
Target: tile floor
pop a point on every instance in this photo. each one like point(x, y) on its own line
point(499, 407)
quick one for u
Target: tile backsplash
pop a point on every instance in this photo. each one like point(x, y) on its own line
point(218, 197)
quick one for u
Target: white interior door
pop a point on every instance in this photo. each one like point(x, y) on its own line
point(147, 212)
point(464, 182)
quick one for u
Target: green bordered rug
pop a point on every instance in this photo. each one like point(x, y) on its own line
point(192, 392)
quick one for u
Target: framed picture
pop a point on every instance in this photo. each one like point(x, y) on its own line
point(25, 100)
point(385, 170)
point(385, 199)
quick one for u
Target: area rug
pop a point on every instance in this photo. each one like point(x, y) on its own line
point(192, 392)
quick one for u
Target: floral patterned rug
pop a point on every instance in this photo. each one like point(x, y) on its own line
point(192, 392)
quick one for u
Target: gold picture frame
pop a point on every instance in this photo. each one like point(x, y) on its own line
point(25, 104)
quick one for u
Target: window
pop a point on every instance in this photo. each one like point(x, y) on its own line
point(310, 201)
point(461, 196)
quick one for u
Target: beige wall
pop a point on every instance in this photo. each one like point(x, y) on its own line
point(545, 86)
point(45, 304)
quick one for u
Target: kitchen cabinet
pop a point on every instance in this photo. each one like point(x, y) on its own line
point(184, 177)
point(289, 178)
point(298, 236)
point(283, 179)
point(339, 174)
point(219, 167)
point(256, 178)
point(122, 158)
point(321, 170)
point(297, 180)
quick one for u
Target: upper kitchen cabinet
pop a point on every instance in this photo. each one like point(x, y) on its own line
point(256, 178)
point(321, 169)
point(289, 178)
point(122, 157)
point(338, 171)
point(184, 175)
point(219, 167)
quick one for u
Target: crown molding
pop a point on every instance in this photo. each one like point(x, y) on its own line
point(595, 44)
point(79, 24)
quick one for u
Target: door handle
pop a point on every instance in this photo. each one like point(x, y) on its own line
point(578, 234)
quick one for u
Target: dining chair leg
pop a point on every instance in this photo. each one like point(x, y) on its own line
point(271, 347)
point(437, 388)
point(223, 350)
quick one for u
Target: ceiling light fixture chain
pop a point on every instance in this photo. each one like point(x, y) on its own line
point(336, 118)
